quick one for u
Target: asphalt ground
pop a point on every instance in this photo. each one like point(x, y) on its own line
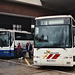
point(20, 67)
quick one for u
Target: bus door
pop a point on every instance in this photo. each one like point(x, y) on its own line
point(11, 43)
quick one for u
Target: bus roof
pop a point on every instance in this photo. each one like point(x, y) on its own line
point(15, 31)
point(57, 16)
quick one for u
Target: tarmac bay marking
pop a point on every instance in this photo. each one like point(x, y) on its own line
point(27, 62)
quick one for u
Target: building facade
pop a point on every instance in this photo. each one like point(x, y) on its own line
point(20, 13)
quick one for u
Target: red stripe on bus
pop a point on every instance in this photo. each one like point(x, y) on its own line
point(55, 56)
point(49, 56)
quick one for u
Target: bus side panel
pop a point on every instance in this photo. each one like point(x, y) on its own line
point(12, 53)
point(4, 53)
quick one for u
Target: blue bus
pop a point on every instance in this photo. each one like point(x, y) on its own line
point(9, 40)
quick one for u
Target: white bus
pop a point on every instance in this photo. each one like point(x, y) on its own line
point(54, 41)
point(9, 40)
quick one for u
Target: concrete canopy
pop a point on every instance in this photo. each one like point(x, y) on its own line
point(60, 6)
point(56, 7)
point(33, 2)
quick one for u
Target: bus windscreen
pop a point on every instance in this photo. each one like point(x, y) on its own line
point(4, 38)
point(52, 36)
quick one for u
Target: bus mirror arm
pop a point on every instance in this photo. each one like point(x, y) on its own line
point(38, 48)
point(73, 45)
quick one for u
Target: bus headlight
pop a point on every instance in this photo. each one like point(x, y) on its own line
point(36, 56)
point(67, 57)
point(35, 61)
